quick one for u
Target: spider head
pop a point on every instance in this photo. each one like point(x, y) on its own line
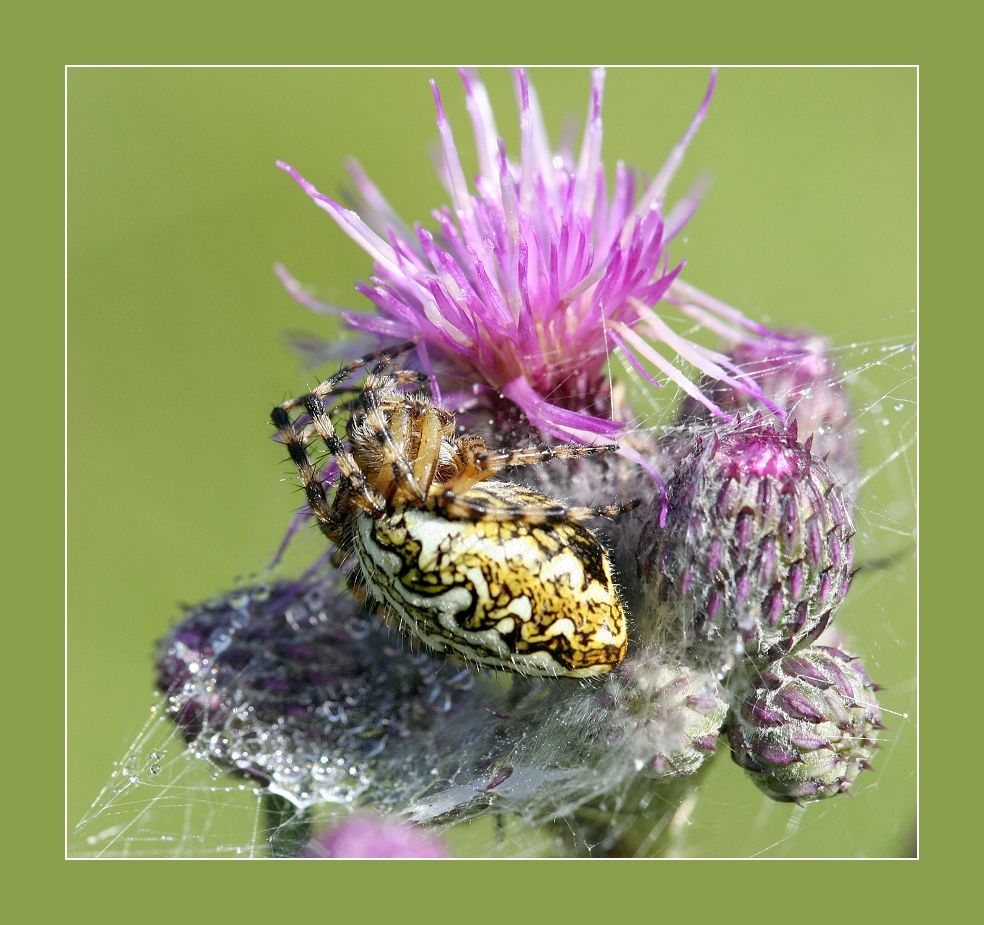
point(403, 444)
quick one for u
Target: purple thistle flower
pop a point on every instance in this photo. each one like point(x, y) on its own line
point(535, 278)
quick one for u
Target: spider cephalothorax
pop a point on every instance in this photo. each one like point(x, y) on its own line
point(466, 563)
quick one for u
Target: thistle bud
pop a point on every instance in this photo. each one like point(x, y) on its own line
point(755, 553)
point(805, 727)
point(297, 688)
point(669, 716)
point(797, 373)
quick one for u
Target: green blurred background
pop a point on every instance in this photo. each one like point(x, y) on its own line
point(177, 330)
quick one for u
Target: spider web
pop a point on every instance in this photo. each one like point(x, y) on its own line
point(166, 798)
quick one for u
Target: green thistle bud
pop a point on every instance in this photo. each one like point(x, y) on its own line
point(755, 553)
point(670, 715)
point(805, 727)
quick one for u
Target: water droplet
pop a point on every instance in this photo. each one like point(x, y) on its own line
point(825, 428)
point(239, 619)
point(358, 629)
point(899, 405)
point(334, 714)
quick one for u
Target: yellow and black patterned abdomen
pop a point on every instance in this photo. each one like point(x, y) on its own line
point(535, 596)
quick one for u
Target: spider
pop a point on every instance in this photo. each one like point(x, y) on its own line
point(468, 564)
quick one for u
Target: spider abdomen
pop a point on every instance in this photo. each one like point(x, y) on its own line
point(528, 594)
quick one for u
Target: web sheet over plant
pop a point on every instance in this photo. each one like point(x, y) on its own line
point(166, 798)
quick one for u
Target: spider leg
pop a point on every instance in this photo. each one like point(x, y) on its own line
point(387, 356)
point(348, 469)
point(329, 385)
point(606, 510)
point(417, 431)
point(399, 377)
point(350, 476)
point(395, 472)
point(469, 471)
point(402, 377)
point(494, 461)
point(432, 427)
point(317, 498)
point(478, 507)
point(478, 462)
point(320, 423)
